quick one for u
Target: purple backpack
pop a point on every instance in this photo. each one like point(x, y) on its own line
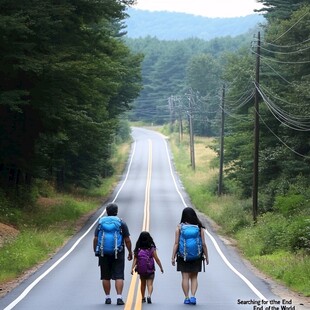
point(145, 262)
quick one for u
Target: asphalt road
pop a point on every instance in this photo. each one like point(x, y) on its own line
point(150, 197)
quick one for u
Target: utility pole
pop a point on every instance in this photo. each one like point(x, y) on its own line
point(191, 134)
point(256, 133)
point(179, 110)
point(220, 186)
point(171, 105)
point(180, 126)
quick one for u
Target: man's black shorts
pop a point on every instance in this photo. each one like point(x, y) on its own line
point(111, 268)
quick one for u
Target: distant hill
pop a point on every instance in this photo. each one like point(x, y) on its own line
point(179, 26)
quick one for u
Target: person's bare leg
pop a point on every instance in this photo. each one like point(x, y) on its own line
point(149, 284)
point(142, 287)
point(119, 284)
point(106, 284)
point(185, 284)
point(194, 283)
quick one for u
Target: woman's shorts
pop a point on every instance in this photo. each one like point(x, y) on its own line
point(148, 277)
point(188, 266)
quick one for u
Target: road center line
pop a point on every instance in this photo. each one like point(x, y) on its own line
point(145, 227)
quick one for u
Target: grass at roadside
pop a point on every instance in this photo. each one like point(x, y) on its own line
point(235, 219)
point(195, 181)
point(48, 224)
point(29, 248)
point(291, 269)
point(288, 268)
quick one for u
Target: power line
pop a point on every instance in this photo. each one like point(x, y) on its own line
point(244, 102)
point(283, 62)
point(289, 29)
point(286, 53)
point(298, 117)
point(282, 116)
point(278, 74)
point(297, 153)
point(242, 118)
point(288, 46)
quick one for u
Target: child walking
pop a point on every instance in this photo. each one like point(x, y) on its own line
point(143, 263)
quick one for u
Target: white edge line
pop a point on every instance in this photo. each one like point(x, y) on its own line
point(43, 275)
point(128, 170)
point(241, 276)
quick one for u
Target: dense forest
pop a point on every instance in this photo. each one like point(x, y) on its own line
point(170, 68)
point(282, 89)
point(180, 26)
point(69, 72)
point(270, 67)
point(66, 77)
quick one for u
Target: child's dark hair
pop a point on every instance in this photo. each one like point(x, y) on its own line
point(145, 241)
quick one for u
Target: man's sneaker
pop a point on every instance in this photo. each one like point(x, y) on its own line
point(187, 301)
point(192, 301)
point(143, 299)
point(149, 300)
point(120, 302)
point(108, 301)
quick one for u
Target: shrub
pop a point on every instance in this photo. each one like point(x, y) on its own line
point(8, 213)
point(289, 204)
point(249, 243)
point(267, 236)
point(299, 234)
point(212, 186)
point(275, 232)
point(45, 188)
point(123, 132)
point(234, 216)
point(272, 230)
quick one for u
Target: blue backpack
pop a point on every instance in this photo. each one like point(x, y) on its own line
point(110, 240)
point(145, 262)
point(190, 243)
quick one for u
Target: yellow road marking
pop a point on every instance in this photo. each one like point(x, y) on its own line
point(145, 227)
point(131, 292)
point(138, 305)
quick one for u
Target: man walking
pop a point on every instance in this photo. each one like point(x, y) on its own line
point(111, 231)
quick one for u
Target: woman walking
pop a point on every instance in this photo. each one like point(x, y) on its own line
point(189, 250)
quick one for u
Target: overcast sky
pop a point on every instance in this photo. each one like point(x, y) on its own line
point(209, 8)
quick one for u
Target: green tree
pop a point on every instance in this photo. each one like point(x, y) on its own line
point(203, 75)
point(67, 77)
point(285, 88)
point(238, 154)
point(279, 9)
point(284, 110)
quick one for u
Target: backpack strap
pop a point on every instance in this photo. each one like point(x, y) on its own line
point(184, 254)
point(152, 251)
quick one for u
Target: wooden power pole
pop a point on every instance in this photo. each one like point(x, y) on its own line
point(256, 133)
point(191, 133)
point(220, 186)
